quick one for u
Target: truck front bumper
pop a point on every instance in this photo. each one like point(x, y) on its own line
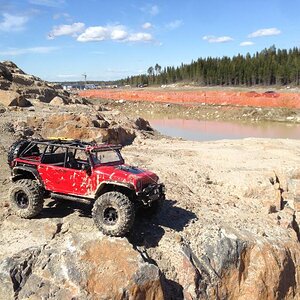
point(152, 192)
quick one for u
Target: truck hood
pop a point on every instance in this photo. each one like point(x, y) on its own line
point(139, 178)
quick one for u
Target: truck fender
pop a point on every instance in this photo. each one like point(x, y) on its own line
point(20, 172)
point(103, 184)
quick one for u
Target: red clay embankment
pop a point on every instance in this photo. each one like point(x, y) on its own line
point(267, 99)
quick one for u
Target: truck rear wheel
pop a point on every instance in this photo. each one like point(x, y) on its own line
point(26, 198)
point(113, 213)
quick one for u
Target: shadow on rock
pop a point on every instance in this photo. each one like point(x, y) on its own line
point(61, 209)
point(174, 217)
point(148, 233)
point(172, 290)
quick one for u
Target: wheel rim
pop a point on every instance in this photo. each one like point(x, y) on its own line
point(22, 200)
point(110, 216)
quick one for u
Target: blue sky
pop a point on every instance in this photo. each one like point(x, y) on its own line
point(62, 39)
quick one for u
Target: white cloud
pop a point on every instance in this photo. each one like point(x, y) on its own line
point(73, 30)
point(174, 24)
point(147, 25)
point(13, 22)
point(152, 10)
point(264, 32)
point(247, 43)
point(101, 33)
point(140, 37)
point(115, 33)
point(49, 3)
point(215, 39)
point(33, 50)
point(65, 16)
point(118, 34)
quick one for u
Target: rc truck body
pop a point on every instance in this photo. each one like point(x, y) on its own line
point(85, 172)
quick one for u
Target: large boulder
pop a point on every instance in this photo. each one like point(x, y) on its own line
point(232, 267)
point(10, 98)
point(80, 266)
point(86, 127)
point(58, 101)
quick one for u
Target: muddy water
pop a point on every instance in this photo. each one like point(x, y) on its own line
point(217, 130)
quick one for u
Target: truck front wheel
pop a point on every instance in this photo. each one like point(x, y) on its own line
point(113, 213)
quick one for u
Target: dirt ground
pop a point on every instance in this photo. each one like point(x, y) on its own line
point(229, 97)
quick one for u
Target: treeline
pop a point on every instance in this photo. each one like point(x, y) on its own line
point(269, 67)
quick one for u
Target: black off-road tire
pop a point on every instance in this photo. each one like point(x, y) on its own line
point(26, 198)
point(113, 213)
point(15, 150)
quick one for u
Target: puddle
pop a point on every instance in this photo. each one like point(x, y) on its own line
point(216, 130)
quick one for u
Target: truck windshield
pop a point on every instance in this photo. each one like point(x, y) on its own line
point(104, 157)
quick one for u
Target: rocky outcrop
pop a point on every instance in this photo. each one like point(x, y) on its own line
point(85, 126)
point(232, 267)
point(14, 80)
point(78, 266)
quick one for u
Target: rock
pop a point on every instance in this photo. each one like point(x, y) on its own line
point(58, 101)
point(47, 94)
point(23, 129)
point(21, 101)
point(5, 84)
point(231, 268)
point(100, 123)
point(87, 127)
point(80, 266)
point(99, 108)
point(15, 270)
point(75, 99)
point(142, 124)
point(9, 98)
point(13, 68)
point(23, 79)
point(5, 73)
point(120, 135)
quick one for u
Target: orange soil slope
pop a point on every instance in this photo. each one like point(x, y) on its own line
point(288, 100)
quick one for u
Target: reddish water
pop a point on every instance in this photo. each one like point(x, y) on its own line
point(216, 130)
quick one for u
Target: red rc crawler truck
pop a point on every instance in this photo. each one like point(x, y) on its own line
point(86, 172)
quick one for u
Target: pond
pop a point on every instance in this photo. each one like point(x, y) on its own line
point(216, 130)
